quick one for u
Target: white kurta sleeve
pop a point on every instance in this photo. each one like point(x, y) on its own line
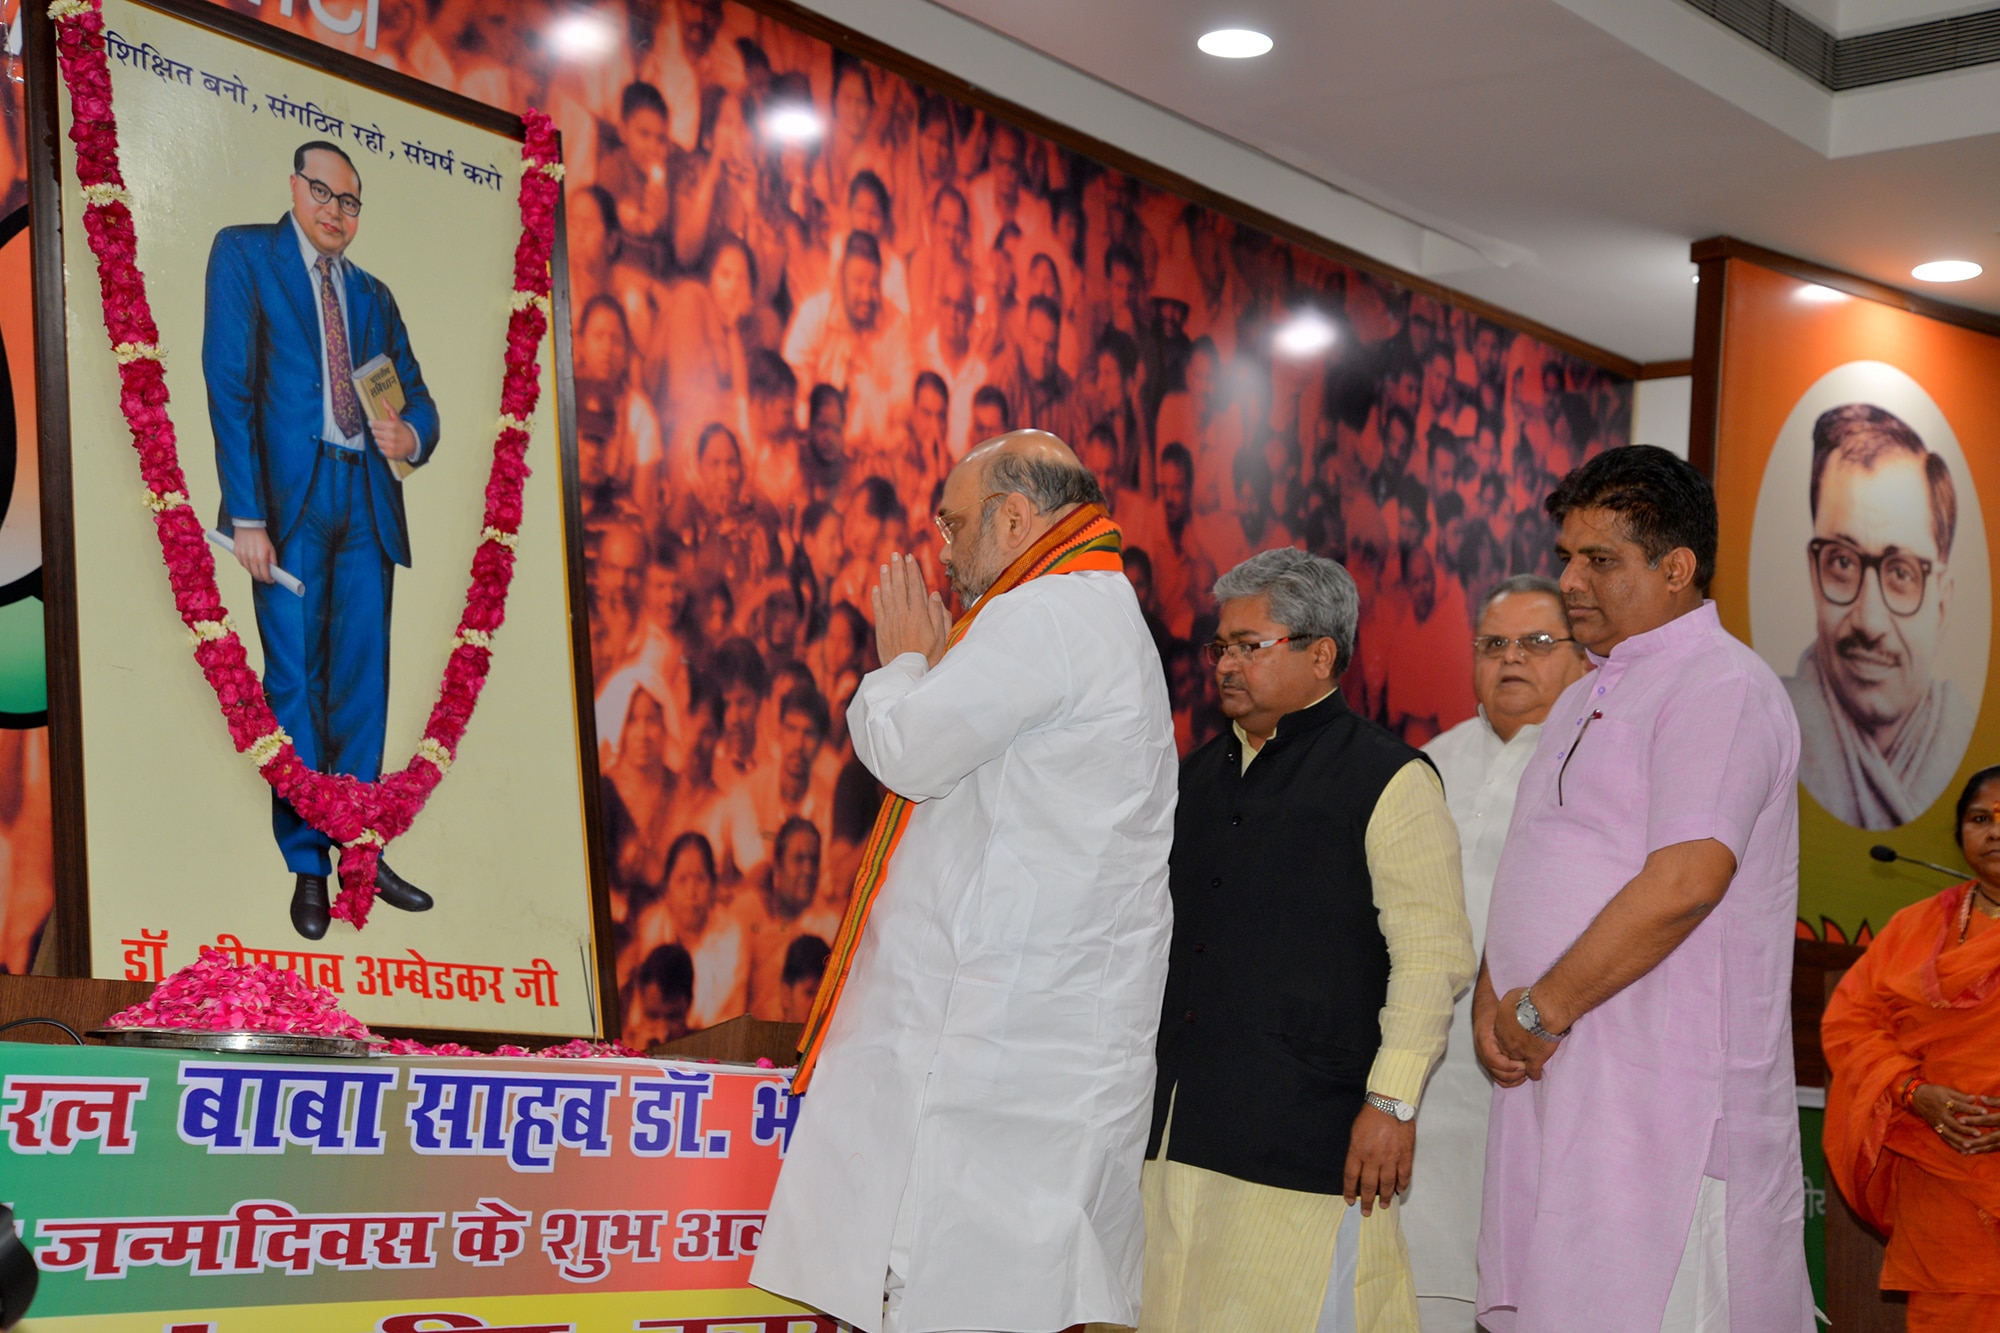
point(920, 732)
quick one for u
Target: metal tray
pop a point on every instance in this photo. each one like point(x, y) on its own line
point(239, 1043)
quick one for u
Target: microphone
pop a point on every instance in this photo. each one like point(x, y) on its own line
point(1883, 852)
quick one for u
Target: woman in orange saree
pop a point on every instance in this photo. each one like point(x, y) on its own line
point(1912, 1038)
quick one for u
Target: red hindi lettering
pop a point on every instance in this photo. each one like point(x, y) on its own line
point(490, 1234)
point(145, 956)
point(55, 1114)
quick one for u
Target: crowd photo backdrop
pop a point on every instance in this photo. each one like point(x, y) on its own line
point(802, 286)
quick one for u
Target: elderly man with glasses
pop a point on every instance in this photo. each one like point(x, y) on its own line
point(1523, 658)
point(1319, 939)
point(1882, 736)
point(978, 1065)
point(313, 487)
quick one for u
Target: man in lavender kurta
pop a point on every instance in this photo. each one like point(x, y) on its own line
point(1642, 1159)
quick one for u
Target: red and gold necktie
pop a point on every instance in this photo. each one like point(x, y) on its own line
point(339, 363)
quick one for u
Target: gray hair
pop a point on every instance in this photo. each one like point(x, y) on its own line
point(1527, 583)
point(1310, 595)
point(1047, 484)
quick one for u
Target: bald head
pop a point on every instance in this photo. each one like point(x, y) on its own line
point(1035, 465)
point(1038, 445)
point(1001, 498)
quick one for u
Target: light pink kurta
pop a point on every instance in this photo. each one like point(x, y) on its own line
point(1681, 734)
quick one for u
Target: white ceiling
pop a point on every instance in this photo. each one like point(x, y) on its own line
point(1846, 18)
point(1575, 166)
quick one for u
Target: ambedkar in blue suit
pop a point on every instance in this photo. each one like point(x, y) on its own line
point(309, 484)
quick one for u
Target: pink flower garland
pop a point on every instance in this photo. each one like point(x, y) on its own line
point(363, 817)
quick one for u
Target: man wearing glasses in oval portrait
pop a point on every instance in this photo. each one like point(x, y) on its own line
point(1881, 738)
point(310, 485)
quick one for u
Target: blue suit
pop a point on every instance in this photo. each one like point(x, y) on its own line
point(335, 515)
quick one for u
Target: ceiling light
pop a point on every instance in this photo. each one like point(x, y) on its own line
point(1946, 270)
point(1307, 333)
point(792, 124)
point(1696, 279)
point(1234, 43)
point(581, 36)
point(1819, 295)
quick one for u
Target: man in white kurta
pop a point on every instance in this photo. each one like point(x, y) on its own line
point(1523, 658)
point(968, 1152)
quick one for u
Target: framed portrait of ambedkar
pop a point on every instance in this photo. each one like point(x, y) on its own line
point(329, 252)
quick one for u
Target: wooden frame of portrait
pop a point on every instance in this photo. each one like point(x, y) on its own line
point(72, 952)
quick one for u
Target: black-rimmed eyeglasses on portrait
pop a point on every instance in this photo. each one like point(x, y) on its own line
point(350, 204)
point(1839, 568)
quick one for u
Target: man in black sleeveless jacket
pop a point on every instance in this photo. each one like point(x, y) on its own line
point(1319, 940)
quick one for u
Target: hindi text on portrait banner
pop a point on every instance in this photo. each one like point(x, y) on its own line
point(255, 1235)
point(319, 969)
point(521, 1116)
point(145, 957)
point(53, 1115)
point(666, 1116)
point(581, 1244)
point(418, 975)
point(330, 1108)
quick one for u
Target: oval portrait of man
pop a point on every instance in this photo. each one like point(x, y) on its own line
point(1870, 592)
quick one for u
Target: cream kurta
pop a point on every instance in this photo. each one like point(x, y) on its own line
point(1441, 1212)
point(990, 1067)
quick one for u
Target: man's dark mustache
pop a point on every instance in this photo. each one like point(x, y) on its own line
point(1857, 641)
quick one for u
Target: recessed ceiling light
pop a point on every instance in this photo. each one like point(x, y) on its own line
point(1817, 294)
point(581, 36)
point(1307, 333)
point(1696, 279)
point(1946, 270)
point(792, 124)
point(1234, 43)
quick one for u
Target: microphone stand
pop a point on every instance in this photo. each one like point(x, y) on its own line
point(1885, 853)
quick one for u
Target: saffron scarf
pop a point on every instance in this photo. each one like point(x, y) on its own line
point(1084, 539)
point(1917, 1004)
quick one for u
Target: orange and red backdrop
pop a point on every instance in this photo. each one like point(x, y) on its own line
point(801, 286)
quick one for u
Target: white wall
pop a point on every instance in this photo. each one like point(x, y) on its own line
point(1660, 413)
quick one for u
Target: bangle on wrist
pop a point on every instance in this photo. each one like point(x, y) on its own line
point(1909, 1094)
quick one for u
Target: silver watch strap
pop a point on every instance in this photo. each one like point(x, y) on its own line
point(1535, 1028)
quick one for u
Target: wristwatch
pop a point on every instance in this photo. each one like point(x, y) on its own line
point(1403, 1111)
point(1530, 1019)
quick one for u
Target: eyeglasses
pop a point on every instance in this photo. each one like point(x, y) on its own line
point(1242, 652)
point(949, 524)
point(1539, 644)
point(1839, 568)
point(350, 204)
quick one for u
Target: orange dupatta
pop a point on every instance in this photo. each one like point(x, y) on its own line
point(1918, 1003)
point(1083, 539)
